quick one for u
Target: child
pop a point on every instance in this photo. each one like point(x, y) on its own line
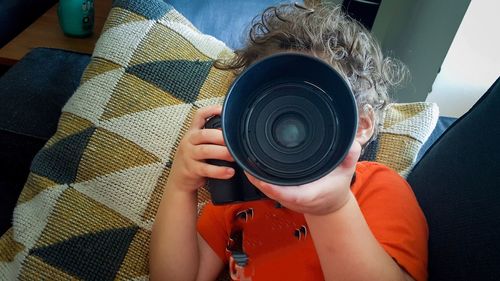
point(334, 228)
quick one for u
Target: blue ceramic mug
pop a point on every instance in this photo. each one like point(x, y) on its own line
point(76, 17)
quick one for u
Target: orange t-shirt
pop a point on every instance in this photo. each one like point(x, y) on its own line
point(276, 241)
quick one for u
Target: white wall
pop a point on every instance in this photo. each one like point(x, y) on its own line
point(472, 63)
point(418, 32)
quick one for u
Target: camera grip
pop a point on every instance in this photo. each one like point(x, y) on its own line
point(221, 191)
point(235, 189)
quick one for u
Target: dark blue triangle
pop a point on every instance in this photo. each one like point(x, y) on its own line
point(182, 78)
point(152, 10)
point(59, 162)
point(94, 256)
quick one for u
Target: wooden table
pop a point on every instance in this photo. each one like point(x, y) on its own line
point(46, 32)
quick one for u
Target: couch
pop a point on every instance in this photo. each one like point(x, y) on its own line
point(455, 180)
point(16, 15)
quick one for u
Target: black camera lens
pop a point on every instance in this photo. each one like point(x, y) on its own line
point(288, 129)
point(289, 119)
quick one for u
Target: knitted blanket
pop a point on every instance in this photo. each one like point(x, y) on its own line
point(88, 206)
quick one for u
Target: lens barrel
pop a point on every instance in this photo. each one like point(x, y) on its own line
point(289, 119)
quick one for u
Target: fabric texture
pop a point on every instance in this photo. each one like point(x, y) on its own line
point(32, 94)
point(87, 208)
point(405, 128)
point(35, 89)
point(442, 125)
point(277, 243)
point(457, 185)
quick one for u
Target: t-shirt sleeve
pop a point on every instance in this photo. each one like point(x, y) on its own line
point(394, 217)
point(212, 227)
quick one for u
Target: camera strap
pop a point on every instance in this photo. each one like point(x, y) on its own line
point(238, 259)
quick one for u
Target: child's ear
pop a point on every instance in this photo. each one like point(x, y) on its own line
point(365, 124)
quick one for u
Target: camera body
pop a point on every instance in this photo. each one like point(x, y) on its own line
point(235, 189)
point(288, 119)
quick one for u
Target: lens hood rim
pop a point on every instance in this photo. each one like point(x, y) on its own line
point(225, 118)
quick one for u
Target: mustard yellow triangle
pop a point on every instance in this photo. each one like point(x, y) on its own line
point(108, 152)
point(216, 84)
point(9, 247)
point(155, 198)
point(397, 113)
point(397, 151)
point(203, 198)
point(69, 124)
point(34, 185)
point(135, 264)
point(96, 67)
point(162, 43)
point(76, 214)
point(133, 94)
point(34, 268)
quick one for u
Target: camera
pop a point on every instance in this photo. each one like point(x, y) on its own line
point(288, 119)
point(236, 189)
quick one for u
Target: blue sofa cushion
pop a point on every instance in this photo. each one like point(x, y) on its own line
point(227, 20)
point(35, 89)
point(457, 183)
point(442, 125)
point(32, 94)
point(16, 153)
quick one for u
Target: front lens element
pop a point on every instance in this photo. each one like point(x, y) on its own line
point(289, 130)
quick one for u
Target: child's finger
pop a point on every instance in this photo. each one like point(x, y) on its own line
point(278, 193)
point(207, 136)
point(284, 194)
point(202, 114)
point(352, 157)
point(210, 151)
point(213, 171)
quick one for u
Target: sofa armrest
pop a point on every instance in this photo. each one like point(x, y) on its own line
point(441, 126)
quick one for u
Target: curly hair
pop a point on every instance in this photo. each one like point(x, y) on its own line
point(325, 31)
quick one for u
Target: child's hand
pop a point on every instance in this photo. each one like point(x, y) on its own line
point(321, 197)
point(189, 169)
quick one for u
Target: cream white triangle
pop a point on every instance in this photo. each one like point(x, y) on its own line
point(119, 43)
point(211, 101)
point(29, 221)
point(11, 270)
point(419, 126)
point(127, 192)
point(174, 16)
point(31, 217)
point(156, 130)
point(90, 99)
